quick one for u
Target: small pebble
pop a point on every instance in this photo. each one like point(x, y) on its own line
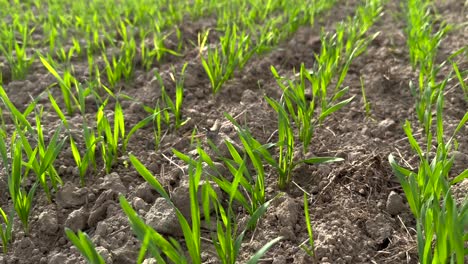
point(91, 197)
point(394, 203)
point(381, 205)
point(62, 241)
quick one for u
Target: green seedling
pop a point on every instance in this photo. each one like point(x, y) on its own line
point(92, 67)
point(300, 109)
point(440, 230)
point(52, 35)
point(128, 52)
point(22, 199)
point(254, 187)
point(340, 49)
point(267, 34)
point(173, 106)
point(89, 135)
point(255, 192)
point(332, 63)
point(121, 65)
point(367, 14)
point(65, 83)
point(75, 49)
point(110, 138)
point(221, 62)
point(286, 148)
point(461, 80)
point(303, 110)
point(93, 41)
point(7, 225)
point(114, 70)
point(41, 158)
point(256, 152)
point(6, 229)
point(199, 8)
point(19, 119)
point(425, 103)
point(147, 54)
point(440, 223)
point(310, 249)
point(155, 118)
point(64, 56)
point(158, 49)
point(15, 51)
point(423, 43)
point(227, 240)
point(154, 241)
point(274, 29)
point(89, 156)
point(431, 176)
point(367, 105)
point(227, 246)
point(84, 244)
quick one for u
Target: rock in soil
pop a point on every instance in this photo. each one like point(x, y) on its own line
point(379, 228)
point(77, 220)
point(47, 222)
point(162, 217)
point(113, 182)
point(99, 210)
point(139, 204)
point(181, 197)
point(145, 192)
point(70, 196)
point(58, 258)
point(150, 261)
point(124, 255)
point(287, 212)
point(106, 255)
point(394, 204)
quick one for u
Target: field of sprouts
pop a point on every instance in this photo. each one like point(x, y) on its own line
point(233, 131)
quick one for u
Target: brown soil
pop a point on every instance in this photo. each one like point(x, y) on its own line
point(355, 205)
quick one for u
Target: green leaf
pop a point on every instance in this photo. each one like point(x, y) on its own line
point(256, 258)
point(75, 152)
point(119, 123)
point(15, 112)
point(134, 129)
point(3, 152)
point(334, 108)
point(146, 174)
point(409, 184)
point(85, 246)
point(157, 242)
point(320, 160)
point(340, 94)
point(184, 157)
point(461, 124)
point(309, 225)
point(226, 186)
point(58, 110)
point(52, 151)
point(460, 177)
point(414, 144)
